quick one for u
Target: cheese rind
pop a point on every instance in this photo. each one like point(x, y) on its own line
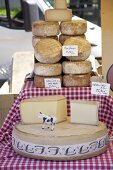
point(73, 27)
point(63, 37)
point(48, 51)
point(45, 28)
point(48, 69)
point(39, 81)
point(78, 67)
point(72, 80)
point(60, 4)
point(84, 48)
point(84, 112)
point(49, 105)
point(58, 15)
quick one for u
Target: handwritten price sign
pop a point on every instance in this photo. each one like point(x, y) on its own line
point(100, 88)
point(52, 83)
point(71, 50)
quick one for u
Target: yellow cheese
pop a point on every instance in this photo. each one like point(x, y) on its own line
point(84, 112)
point(49, 105)
point(58, 15)
point(60, 4)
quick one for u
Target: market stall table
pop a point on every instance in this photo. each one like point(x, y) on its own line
point(10, 160)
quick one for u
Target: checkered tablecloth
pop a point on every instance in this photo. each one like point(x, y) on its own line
point(9, 160)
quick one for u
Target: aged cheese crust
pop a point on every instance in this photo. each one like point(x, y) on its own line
point(36, 39)
point(48, 51)
point(74, 27)
point(88, 141)
point(63, 37)
point(84, 48)
point(39, 80)
point(48, 69)
point(76, 80)
point(45, 28)
point(78, 67)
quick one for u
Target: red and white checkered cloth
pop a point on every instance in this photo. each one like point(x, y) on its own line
point(10, 160)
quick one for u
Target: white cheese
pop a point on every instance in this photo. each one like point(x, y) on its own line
point(84, 112)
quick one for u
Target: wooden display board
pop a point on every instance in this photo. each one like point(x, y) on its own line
point(107, 41)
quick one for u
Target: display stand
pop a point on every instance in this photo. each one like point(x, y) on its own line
point(9, 159)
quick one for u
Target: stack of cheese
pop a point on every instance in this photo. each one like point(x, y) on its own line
point(48, 49)
point(77, 69)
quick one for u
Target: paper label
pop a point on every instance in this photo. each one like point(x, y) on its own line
point(71, 50)
point(53, 83)
point(100, 88)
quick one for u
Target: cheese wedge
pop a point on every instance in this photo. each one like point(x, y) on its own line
point(58, 15)
point(49, 105)
point(84, 112)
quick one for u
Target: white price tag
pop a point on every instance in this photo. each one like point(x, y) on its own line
point(100, 88)
point(71, 50)
point(53, 83)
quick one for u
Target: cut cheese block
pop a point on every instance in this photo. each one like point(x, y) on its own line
point(84, 48)
point(36, 39)
point(84, 112)
point(48, 69)
point(74, 27)
point(63, 37)
point(44, 28)
point(76, 80)
point(49, 105)
point(39, 81)
point(78, 67)
point(58, 15)
point(67, 142)
point(60, 4)
point(48, 51)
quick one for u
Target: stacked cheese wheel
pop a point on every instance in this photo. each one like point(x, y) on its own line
point(48, 38)
point(47, 51)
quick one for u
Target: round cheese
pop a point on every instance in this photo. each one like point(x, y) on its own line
point(48, 51)
point(73, 27)
point(84, 48)
point(66, 142)
point(78, 67)
point(39, 80)
point(35, 39)
point(48, 69)
point(45, 28)
point(63, 37)
point(76, 80)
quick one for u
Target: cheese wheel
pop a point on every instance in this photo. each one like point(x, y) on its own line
point(63, 37)
point(84, 48)
point(67, 141)
point(58, 15)
point(78, 67)
point(35, 39)
point(48, 51)
point(48, 69)
point(45, 28)
point(39, 80)
point(73, 27)
point(60, 4)
point(76, 80)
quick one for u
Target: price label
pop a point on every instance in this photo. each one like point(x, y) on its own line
point(100, 88)
point(71, 50)
point(52, 83)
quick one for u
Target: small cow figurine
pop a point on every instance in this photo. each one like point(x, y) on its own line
point(47, 120)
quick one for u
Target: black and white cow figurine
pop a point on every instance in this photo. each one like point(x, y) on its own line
point(47, 120)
